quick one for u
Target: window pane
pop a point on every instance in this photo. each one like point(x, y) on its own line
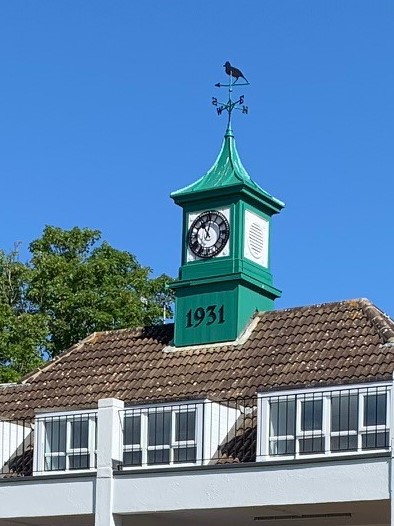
point(55, 432)
point(344, 443)
point(375, 440)
point(375, 409)
point(311, 445)
point(159, 456)
point(79, 434)
point(344, 412)
point(282, 417)
point(185, 454)
point(79, 461)
point(282, 447)
point(159, 428)
point(132, 458)
point(132, 429)
point(55, 463)
point(185, 426)
point(311, 415)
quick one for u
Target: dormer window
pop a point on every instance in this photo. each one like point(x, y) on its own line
point(155, 435)
point(186, 433)
point(66, 441)
point(334, 421)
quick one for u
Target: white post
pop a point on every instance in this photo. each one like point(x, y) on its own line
point(109, 452)
point(391, 481)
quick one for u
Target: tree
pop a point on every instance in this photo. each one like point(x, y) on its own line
point(23, 331)
point(72, 286)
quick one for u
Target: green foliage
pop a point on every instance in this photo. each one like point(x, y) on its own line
point(71, 287)
point(23, 330)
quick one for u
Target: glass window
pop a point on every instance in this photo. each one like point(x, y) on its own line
point(159, 456)
point(344, 412)
point(79, 434)
point(132, 458)
point(312, 445)
point(185, 454)
point(375, 407)
point(285, 446)
point(283, 417)
point(79, 461)
point(331, 421)
point(55, 432)
point(344, 443)
point(311, 414)
point(185, 426)
point(160, 435)
point(67, 443)
point(159, 428)
point(55, 463)
point(379, 440)
point(132, 429)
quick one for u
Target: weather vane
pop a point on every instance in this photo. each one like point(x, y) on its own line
point(234, 75)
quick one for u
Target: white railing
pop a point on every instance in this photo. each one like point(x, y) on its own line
point(302, 424)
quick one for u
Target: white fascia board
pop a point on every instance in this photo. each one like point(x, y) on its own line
point(41, 414)
point(168, 404)
point(322, 389)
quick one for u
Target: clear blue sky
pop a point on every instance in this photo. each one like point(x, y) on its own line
point(105, 109)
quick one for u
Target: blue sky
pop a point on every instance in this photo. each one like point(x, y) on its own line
point(105, 109)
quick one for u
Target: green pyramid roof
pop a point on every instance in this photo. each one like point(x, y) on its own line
point(227, 170)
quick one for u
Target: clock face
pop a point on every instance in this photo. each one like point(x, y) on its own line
point(208, 234)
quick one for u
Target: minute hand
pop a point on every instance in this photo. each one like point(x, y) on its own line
point(206, 228)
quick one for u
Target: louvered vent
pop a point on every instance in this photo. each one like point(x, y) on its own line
point(255, 240)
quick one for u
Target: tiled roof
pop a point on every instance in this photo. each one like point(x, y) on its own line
point(329, 344)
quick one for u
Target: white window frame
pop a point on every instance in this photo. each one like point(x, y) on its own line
point(304, 434)
point(144, 447)
point(40, 454)
point(276, 438)
point(365, 430)
point(265, 439)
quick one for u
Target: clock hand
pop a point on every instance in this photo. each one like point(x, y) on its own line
point(205, 226)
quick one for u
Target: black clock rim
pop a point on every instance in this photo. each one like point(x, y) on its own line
point(222, 216)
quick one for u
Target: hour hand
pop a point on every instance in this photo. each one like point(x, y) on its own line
point(206, 228)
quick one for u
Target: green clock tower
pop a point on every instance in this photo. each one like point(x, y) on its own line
point(225, 273)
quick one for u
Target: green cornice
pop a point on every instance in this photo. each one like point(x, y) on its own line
point(227, 174)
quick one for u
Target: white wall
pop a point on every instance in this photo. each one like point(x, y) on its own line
point(11, 437)
point(44, 498)
point(355, 480)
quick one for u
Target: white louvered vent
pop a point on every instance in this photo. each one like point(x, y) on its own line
point(255, 240)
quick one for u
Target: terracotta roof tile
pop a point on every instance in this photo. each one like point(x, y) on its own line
point(344, 342)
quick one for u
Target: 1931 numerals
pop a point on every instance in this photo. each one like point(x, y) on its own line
point(209, 315)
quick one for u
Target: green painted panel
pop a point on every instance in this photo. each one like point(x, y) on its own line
point(249, 302)
point(207, 316)
point(216, 313)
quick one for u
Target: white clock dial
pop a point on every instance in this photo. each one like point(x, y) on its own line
point(208, 234)
point(256, 238)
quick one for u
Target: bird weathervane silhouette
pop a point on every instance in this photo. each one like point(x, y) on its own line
point(230, 105)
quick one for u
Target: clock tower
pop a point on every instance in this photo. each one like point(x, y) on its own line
point(225, 273)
